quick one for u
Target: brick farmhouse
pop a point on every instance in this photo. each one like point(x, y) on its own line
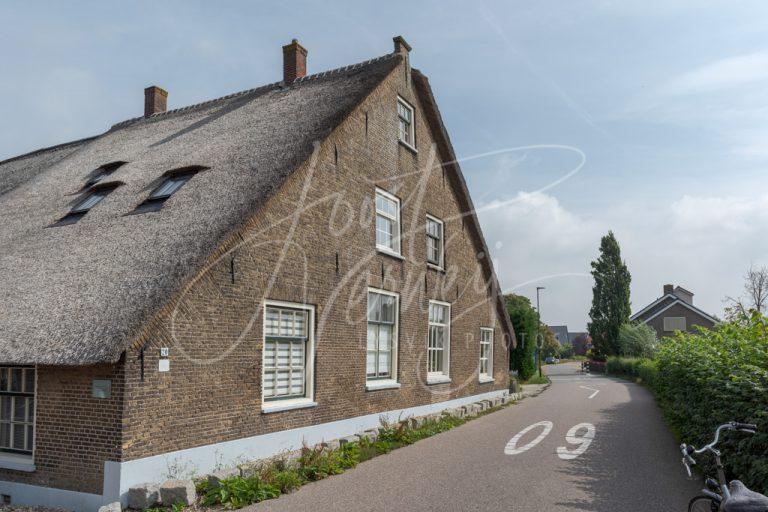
point(222, 282)
point(674, 311)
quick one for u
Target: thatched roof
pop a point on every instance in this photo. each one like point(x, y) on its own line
point(80, 294)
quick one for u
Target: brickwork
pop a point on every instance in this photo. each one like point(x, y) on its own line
point(313, 242)
point(214, 331)
point(75, 433)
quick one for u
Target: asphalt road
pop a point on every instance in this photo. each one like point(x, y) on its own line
point(631, 464)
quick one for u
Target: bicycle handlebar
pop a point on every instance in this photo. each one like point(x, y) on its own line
point(688, 450)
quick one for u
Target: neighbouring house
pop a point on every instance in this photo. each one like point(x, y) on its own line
point(560, 332)
point(673, 311)
point(224, 281)
point(581, 342)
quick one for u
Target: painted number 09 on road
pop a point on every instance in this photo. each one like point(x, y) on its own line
point(574, 437)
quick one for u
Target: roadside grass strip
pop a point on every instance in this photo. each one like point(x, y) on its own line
point(282, 475)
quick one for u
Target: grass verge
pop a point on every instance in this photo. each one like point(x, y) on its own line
point(281, 476)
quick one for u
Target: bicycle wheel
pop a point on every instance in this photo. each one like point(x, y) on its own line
point(703, 504)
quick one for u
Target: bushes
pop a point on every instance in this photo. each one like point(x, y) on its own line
point(715, 376)
point(642, 369)
point(637, 340)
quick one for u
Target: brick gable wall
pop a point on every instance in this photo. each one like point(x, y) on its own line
point(213, 391)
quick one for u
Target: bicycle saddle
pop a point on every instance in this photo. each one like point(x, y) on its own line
point(744, 500)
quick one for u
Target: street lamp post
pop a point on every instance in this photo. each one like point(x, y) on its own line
point(539, 341)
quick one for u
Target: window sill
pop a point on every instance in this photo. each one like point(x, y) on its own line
point(287, 405)
point(391, 254)
point(485, 380)
point(375, 385)
point(437, 268)
point(438, 379)
point(408, 147)
point(17, 463)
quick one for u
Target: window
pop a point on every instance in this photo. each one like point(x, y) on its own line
point(91, 199)
point(439, 345)
point(405, 119)
point(381, 358)
point(387, 222)
point(102, 172)
point(169, 186)
point(17, 410)
point(674, 323)
point(172, 182)
point(288, 354)
point(435, 241)
point(486, 354)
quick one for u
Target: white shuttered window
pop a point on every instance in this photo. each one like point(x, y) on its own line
point(286, 346)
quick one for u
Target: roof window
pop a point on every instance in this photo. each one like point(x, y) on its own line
point(102, 172)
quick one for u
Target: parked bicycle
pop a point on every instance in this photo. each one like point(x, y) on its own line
point(719, 495)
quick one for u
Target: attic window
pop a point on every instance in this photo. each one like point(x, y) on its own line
point(405, 133)
point(91, 199)
point(102, 172)
point(170, 184)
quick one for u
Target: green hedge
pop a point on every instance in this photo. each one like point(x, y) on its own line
point(644, 370)
point(716, 376)
point(705, 379)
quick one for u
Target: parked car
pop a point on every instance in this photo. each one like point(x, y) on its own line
point(551, 360)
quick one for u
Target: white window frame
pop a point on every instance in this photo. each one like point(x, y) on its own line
point(445, 374)
point(441, 263)
point(672, 328)
point(391, 382)
point(276, 405)
point(396, 219)
point(411, 126)
point(23, 461)
point(487, 376)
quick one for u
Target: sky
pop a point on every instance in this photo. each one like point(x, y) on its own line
point(570, 118)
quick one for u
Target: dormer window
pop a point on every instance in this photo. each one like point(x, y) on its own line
point(170, 184)
point(102, 172)
point(90, 200)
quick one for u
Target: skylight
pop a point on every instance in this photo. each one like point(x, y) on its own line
point(170, 184)
point(102, 172)
point(91, 199)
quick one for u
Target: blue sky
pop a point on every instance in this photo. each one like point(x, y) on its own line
point(666, 101)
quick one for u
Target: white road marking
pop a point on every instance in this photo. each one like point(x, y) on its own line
point(596, 391)
point(583, 441)
point(511, 447)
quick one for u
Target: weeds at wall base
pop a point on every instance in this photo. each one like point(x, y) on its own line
point(316, 463)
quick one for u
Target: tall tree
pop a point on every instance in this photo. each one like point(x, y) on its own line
point(610, 298)
point(524, 320)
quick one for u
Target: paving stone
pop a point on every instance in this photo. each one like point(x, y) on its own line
point(178, 491)
point(143, 496)
point(348, 439)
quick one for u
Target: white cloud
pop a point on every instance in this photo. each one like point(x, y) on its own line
point(720, 74)
point(702, 243)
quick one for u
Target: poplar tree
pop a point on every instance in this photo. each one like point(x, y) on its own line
point(610, 298)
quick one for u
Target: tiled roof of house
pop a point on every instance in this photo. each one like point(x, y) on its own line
point(79, 294)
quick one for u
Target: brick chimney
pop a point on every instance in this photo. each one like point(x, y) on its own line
point(401, 45)
point(294, 62)
point(668, 288)
point(155, 100)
